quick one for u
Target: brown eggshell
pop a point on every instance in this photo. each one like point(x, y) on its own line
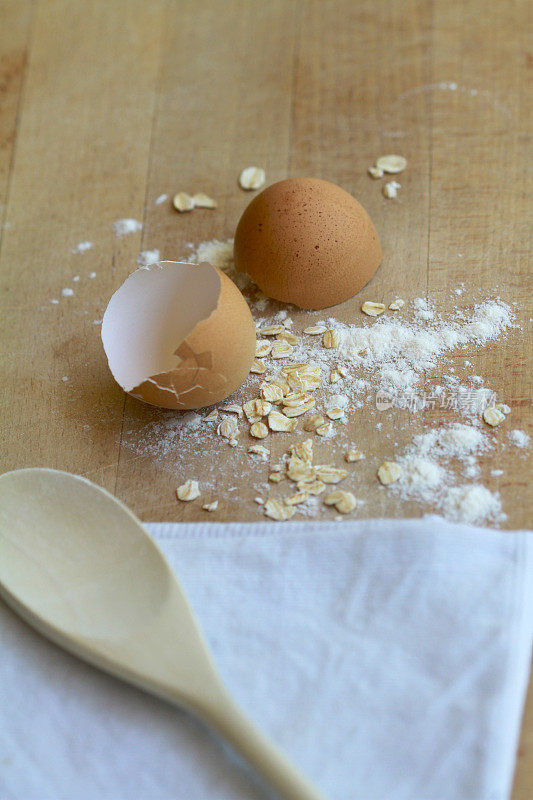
point(307, 241)
point(216, 357)
point(207, 362)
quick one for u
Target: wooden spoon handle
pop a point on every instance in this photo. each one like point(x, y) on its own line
point(226, 717)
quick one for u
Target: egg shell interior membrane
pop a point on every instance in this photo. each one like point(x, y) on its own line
point(178, 335)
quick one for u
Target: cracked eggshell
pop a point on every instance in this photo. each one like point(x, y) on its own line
point(178, 335)
point(307, 241)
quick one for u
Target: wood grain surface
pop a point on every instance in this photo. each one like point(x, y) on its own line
point(105, 106)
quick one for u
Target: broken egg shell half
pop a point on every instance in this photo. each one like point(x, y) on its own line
point(179, 335)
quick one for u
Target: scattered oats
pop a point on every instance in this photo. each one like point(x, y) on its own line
point(212, 416)
point(329, 474)
point(188, 491)
point(391, 164)
point(389, 472)
point(315, 330)
point(281, 349)
point(300, 471)
point(276, 477)
point(303, 381)
point(202, 200)
point(210, 506)
point(279, 422)
point(289, 337)
point(183, 202)
point(272, 330)
point(372, 309)
point(252, 178)
point(67, 292)
point(282, 384)
point(259, 501)
point(313, 422)
point(161, 199)
point(503, 407)
point(353, 455)
point(296, 499)
point(493, 416)
point(314, 488)
point(259, 450)
point(258, 367)
point(228, 428)
point(334, 413)
point(303, 450)
point(271, 392)
point(324, 430)
point(296, 399)
point(390, 189)
point(397, 304)
point(262, 348)
point(296, 366)
point(375, 172)
point(255, 409)
point(343, 501)
point(278, 511)
point(298, 410)
point(334, 376)
point(232, 408)
point(288, 322)
point(233, 442)
point(258, 430)
point(331, 339)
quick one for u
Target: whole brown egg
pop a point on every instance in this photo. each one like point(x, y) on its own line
point(307, 241)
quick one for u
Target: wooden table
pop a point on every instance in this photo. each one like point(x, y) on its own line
point(106, 106)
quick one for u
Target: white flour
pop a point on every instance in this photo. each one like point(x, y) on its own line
point(82, 247)
point(147, 257)
point(519, 438)
point(428, 476)
point(128, 225)
point(399, 352)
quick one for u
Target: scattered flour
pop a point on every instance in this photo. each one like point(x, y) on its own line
point(216, 252)
point(161, 199)
point(519, 438)
point(451, 441)
point(147, 257)
point(82, 247)
point(427, 476)
point(473, 504)
point(128, 225)
point(399, 352)
point(67, 292)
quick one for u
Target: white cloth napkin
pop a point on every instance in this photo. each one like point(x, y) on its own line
point(389, 659)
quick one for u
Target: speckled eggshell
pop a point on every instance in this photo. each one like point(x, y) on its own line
point(307, 241)
point(216, 357)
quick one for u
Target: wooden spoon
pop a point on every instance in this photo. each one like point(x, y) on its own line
point(79, 567)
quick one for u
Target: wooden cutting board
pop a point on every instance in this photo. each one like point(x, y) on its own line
point(106, 106)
